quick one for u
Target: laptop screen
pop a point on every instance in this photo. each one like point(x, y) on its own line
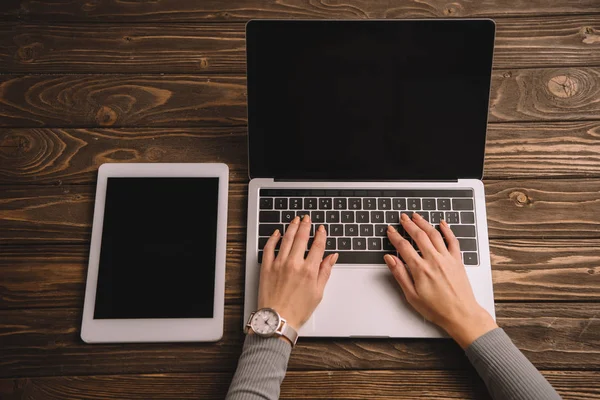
point(368, 100)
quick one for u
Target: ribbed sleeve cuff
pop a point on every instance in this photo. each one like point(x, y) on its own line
point(507, 373)
point(261, 368)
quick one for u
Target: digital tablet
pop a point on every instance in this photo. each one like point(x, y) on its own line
point(157, 256)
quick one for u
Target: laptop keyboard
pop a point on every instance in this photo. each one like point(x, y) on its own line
point(356, 221)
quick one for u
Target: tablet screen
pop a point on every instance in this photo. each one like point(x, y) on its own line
point(157, 257)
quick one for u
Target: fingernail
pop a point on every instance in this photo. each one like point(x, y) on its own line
point(335, 258)
point(391, 229)
point(443, 222)
point(306, 218)
point(295, 220)
point(276, 233)
point(389, 260)
point(321, 228)
point(404, 217)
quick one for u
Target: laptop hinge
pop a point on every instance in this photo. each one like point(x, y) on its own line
point(368, 181)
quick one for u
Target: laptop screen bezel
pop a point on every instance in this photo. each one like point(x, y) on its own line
point(253, 26)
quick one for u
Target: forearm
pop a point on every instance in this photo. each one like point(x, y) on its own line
point(506, 372)
point(260, 370)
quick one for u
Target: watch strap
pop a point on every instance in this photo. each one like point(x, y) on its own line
point(290, 333)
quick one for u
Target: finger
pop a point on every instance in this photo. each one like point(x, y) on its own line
point(434, 236)
point(325, 270)
point(418, 235)
point(288, 238)
point(317, 249)
point(301, 239)
point(269, 250)
point(403, 246)
point(402, 277)
point(451, 240)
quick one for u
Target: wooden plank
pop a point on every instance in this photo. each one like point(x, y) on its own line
point(559, 208)
point(65, 156)
point(57, 156)
point(523, 270)
point(45, 342)
point(242, 10)
point(382, 385)
point(192, 100)
point(205, 47)
point(122, 100)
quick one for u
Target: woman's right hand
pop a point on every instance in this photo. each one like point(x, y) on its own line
point(436, 283)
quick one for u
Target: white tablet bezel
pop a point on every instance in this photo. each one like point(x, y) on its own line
point(163, 329)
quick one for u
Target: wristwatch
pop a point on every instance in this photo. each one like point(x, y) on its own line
point(267, 322)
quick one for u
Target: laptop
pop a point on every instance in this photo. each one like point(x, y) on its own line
point(354, 123)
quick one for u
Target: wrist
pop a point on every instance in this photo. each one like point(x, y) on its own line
point(470, 327)
point(285, 339)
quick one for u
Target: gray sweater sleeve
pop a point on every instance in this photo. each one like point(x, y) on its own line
point(261, 369)
point(507, 373)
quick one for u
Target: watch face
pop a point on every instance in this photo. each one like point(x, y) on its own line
point(265, 321)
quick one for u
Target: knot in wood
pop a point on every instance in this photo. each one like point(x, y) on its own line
point(90, 5)
point(507, 74)
point(106, 116)
point(452, 9)
point(589, 35)
point(520, 198)
point(154, 154)
point(203, 63)
point(26, 53)
point(563, 86)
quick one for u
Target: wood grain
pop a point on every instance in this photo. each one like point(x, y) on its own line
point(72, 156)
point(191, 100)
point(558, 208)
point(208, 47)
point(122, 100)
point(382, 385)
point(523, 270)
point(57, 156)
point(45, 342)
point(242, 10)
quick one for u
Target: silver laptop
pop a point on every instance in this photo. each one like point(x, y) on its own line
point(355, 122)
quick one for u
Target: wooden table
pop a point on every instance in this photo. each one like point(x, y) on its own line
point(88, 82)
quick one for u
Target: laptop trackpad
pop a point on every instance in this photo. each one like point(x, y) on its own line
point(368, 302)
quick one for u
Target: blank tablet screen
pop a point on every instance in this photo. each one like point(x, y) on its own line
point(157, 257)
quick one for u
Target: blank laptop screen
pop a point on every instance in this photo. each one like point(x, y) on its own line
point(368, 100)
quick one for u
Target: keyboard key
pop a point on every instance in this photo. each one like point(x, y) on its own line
point(351, 230)
point(340, 203)
point(310, 203)
point(370, 204)
point(336, 230)
point(354, 204)
point(332, 216)
point(347, 217)
point(377, 217)
point(392, 217)
point(296, 203)
point(262, 242)
point(302, 213)
point(330, 244)
point(468, 244)
point(269, 216)
point(399, 204)
point(317, 216)
point(436, 217)
point(359, 244)
point(467, 217)
point(469, 258)
point(374, 243)
point(266, 203)
point(462, 204)
point(325, 203)
point(362, 217)
point(344, 244)
point(381, 230)
point(387, 245)
point(452, 217)
point(414, 204)
point(424, 214)
point(366, 230)
point(463, 230)
point(443, 204)
point(281, 203)
point(428, 204)
point(384, 204)
point(268, 229)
